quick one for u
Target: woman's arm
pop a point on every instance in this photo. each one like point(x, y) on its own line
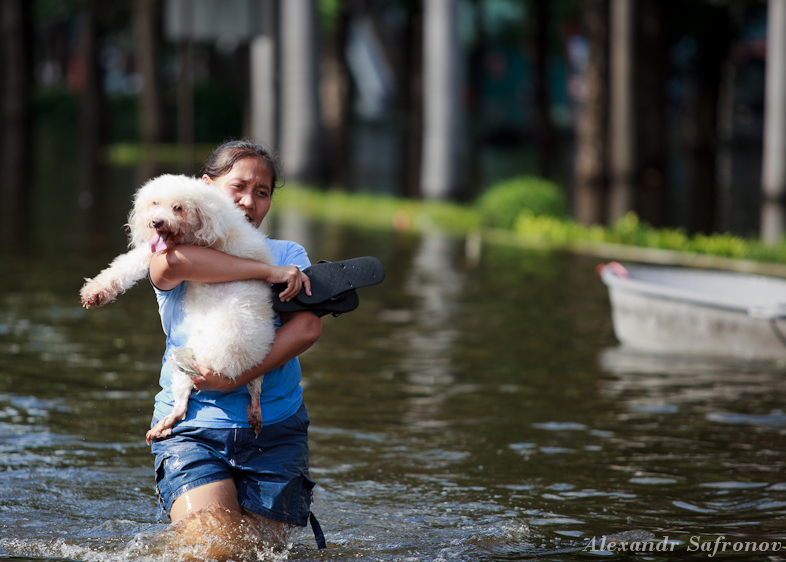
point(298, 332)
point(195, 263)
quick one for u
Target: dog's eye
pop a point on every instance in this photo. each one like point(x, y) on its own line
point(177, 208)
point(155, 202)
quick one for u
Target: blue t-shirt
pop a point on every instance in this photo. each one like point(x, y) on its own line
point(281, 392)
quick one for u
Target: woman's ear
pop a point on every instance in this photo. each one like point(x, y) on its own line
point(206, 179)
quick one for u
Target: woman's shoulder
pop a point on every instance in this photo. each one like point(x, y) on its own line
point(283, 245)
point(287, 252)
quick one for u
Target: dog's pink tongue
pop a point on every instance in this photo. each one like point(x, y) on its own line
point(157, 244)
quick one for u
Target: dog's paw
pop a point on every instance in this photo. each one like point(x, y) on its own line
point(95, 294)
point(154, 434)
point(255, 419)
point(160, 430)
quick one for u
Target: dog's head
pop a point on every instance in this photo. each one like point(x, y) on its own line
point(175, 209)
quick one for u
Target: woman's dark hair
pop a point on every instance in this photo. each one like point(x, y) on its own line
point(225, 156)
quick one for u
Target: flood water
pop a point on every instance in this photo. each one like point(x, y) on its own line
point(472, 409)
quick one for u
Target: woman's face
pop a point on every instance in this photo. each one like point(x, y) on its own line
point(249, 183)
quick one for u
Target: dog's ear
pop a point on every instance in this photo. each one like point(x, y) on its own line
point(137, 231)
point(197, 219)
point(209, 228)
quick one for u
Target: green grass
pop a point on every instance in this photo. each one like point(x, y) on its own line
point(528, 228)
point(377, 211)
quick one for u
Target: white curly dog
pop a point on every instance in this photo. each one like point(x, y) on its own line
point(230, 324)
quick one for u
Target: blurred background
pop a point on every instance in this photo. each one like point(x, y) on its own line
point(477, 406)
point(655, 106)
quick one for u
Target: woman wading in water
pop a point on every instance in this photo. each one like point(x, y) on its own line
point(216, 479)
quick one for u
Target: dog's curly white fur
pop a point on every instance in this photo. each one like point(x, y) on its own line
point(230, 324)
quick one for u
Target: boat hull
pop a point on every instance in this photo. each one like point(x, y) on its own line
point(680, 318)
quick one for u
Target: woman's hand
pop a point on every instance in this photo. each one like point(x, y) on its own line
point(293, 277)
point(207, 379)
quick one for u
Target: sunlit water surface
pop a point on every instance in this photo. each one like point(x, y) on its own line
point(472, 409)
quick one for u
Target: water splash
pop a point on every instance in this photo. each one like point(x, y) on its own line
point(211, 534)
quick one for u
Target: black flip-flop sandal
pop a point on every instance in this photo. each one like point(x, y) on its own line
point(329, 279)
point(345, 302)
point(333, 286)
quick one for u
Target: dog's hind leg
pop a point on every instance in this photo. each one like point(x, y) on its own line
point(181, 390)
point(124, 271)
point(254, 410)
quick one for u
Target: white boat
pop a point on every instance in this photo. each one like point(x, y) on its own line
point(697, 312)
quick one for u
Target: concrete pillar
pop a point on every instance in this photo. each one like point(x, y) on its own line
point(591, 169)
point(441, 56)
point(622, 124)
point(300, 120)
point(264, 80)
point(773, 213)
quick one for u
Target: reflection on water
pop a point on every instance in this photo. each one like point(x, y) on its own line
point(427, 341)
point(472, 408)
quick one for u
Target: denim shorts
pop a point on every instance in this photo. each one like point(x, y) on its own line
point(270, 470)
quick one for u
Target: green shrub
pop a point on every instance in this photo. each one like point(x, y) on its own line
point(501, 204)
point(726, 245)
point(545, 228)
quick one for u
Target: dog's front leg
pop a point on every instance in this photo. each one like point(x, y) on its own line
point(124, 271)
point(181, 390)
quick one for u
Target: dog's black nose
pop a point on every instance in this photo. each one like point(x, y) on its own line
point(156, 223)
